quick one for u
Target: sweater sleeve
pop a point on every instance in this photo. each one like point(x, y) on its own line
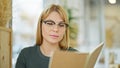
point(21, 60)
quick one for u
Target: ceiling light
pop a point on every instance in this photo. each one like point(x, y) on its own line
point(112, 1)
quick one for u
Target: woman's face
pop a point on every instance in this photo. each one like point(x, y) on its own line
point(53, 28)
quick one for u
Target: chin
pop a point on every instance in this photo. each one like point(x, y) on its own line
point(54, 41)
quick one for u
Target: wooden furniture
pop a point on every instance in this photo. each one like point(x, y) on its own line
point(5, 47)
point(114, 66)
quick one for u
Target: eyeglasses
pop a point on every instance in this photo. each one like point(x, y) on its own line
point(51, 24)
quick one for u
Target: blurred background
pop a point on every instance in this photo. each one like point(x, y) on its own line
point(91, 22)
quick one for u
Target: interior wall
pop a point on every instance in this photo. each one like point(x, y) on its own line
point(112, 18)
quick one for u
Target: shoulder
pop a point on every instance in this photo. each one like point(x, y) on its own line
point(28, 50)
point(71, 49)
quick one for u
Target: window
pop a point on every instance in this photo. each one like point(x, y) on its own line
point(25, 17)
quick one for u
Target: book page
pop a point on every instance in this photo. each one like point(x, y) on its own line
point(66, 59)
point(92, 57)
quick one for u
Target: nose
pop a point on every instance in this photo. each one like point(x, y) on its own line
point(55, 28)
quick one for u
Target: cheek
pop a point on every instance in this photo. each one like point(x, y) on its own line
point(44, 31)
point(62, 34)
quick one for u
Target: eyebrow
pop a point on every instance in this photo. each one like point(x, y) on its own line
point(54, 21)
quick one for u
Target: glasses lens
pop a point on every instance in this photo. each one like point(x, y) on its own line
point(51, 23)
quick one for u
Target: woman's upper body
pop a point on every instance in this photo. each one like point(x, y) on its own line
point(32, 57)
point(52, 34)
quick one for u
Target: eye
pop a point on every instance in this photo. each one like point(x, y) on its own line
point(62, 25)
point(49, 22)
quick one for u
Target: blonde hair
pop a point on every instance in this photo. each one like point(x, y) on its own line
point(64, 43)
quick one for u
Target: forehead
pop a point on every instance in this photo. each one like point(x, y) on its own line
point(55, 16)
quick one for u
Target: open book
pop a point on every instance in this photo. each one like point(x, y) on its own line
point(68, 59)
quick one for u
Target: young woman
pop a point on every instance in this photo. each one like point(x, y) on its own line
point(52, 34)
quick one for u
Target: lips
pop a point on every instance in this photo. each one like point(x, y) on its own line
point(54, 36)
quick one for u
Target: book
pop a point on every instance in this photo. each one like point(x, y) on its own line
point(69, 59)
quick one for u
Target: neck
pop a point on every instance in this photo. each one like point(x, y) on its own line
point(48, 49)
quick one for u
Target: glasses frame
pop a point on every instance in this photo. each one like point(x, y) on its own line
point(45, 22)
